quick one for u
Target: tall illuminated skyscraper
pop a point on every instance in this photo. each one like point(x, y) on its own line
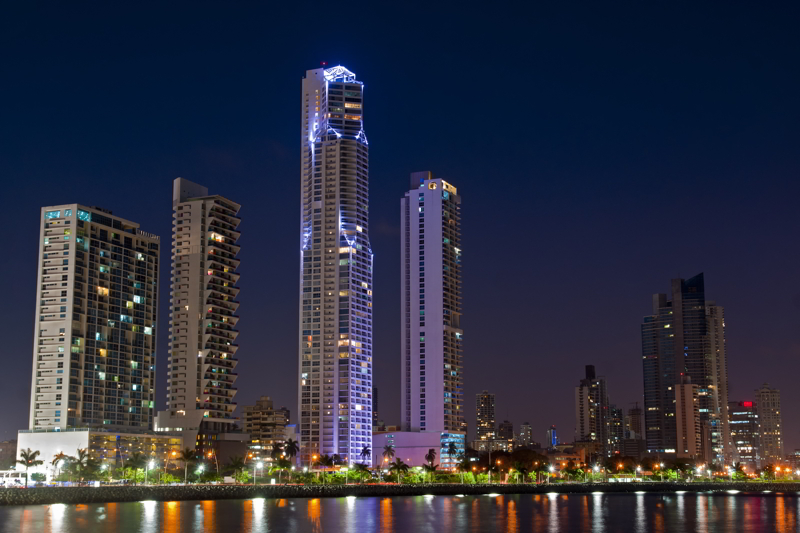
point(431, 335)
point(202, 360)
point(335, 345)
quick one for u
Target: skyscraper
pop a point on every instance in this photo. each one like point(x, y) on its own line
point(485, 416)
point(525, 434)
point(335, 289)
point(689, 435)
point(591, 409)
point(633, 423)
point(374, 406)
point(94, 352)
point(685, 336)
point(745, 438)
point(431, 335)
point(768, 406)
point(616, 429)
point(203, 319)
point(551, 438)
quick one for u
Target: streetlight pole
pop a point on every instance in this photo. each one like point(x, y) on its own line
point(489, 447)
point(147, 468)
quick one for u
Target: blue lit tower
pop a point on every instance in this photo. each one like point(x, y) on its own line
point(335, 348)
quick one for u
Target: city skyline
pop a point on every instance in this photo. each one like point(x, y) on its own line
point(586, 200)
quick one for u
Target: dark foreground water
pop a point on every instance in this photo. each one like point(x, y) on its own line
point(422, 514)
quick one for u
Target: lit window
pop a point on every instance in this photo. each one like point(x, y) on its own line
point(52, 214)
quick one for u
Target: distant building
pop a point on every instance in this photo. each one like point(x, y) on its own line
point(485, 416)
point(591, 409)
point(8, 457)
point(265, 425)
point(551, 438)
point(636, 448)
point(633, 423)
point(505, 431)
point(689, 434)
point(685, 335)
point(525, 435)
point(768, 405)
point(616, 430)
point(745, 438)
point(495, 445)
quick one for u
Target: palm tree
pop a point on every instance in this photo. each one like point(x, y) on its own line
point(80, 463)
point(521, 470)
point(398, 467)
point(430, 469)
point(237, 464)
point(326, 461)
point(291, 448)
point(281, 465)
point(452, 451)
point(430, 456)
point(464, 465)
point(388, 452)
point(277, 450)
point(366, 452)
point(136, 462)
point(360, 469)
point(56, 462)
point(187, 456)
point(336, 459)
point(28, 458)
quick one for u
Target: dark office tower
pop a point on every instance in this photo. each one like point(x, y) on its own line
point(616, 429)
point(591, 409)
point(685, 336)
point(633, 423)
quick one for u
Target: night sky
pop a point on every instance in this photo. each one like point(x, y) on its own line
point(600, 152)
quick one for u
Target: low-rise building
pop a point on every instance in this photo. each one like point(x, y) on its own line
point(265, 425)
point(413, 446)
point(111, 448)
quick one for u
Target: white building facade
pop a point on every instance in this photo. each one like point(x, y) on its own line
point(432, 396)
point(335, 290)
point(201, 371)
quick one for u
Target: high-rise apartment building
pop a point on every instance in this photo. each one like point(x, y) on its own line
point(94, 352)
point(591, 409)
point(505, 431)
point(616, 430)
point(203, 319)
point(551, 438)
point(745, 438)
point(335, 344)
point(768, 406)
point(689, 436)
point(525, 434)
point(685, 336)
point(430, 342)
point(265, 425)
point(485, 416)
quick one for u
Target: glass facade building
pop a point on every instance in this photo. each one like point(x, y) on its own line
point(94, 352)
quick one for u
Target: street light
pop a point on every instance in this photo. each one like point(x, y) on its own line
point(638, 469)
point(260, 465)
point(345, 473)
point(147, 468)
point(552, 469)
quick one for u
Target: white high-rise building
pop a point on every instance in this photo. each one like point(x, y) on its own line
point(768, 408)
point(201, 376)
point(335, 345)
point(431, 335)
point(94, 346)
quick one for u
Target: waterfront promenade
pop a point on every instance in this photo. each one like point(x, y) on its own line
point(105, 494)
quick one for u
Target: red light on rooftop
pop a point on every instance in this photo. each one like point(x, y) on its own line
point(747, 404)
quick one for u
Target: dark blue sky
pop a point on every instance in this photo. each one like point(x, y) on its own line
point(600, 151)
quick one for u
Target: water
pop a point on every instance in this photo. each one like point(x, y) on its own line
point(705, 513)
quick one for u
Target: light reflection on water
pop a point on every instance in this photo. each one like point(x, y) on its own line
point(596, 512)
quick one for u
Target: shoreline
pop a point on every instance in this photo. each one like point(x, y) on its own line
point(121, 494)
